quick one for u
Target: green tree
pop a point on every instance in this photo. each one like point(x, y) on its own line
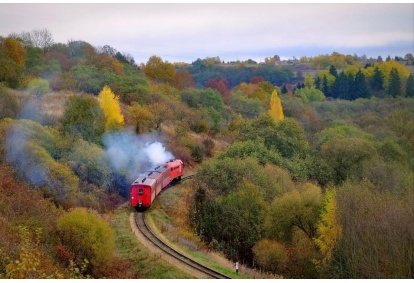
point(84, 118)
point(310, 94)
point(346, 156)
point(297, 209)
point(247, 107)
point(309, 81)
point(88, 161)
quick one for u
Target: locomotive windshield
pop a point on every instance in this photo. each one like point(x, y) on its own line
point(141, 192)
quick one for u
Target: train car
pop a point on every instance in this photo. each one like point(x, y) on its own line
point(146, 188)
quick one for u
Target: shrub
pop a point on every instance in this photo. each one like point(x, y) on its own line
point(89, 237)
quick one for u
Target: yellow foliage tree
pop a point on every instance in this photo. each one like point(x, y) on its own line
point(329, 230)
point(309, 81)
point(109, 102)
point(276, 110)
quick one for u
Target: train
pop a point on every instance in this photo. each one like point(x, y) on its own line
point(147, 187)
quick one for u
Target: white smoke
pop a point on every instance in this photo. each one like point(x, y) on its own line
point(133, 154)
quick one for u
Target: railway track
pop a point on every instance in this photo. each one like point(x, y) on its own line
point(140, 221)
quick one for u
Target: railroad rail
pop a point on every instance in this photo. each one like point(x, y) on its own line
point(140, 221)
point(188, 177)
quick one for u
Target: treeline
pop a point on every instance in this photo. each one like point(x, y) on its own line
point(387, 79)
point(202, 72)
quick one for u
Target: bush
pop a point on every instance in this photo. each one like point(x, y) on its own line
point(271, 255)
point(39, 86)
point(86, 236)
point(9, 106)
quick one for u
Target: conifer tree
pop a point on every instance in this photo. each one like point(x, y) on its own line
point(394, 86)
point(377, 80)
point(361, 87)
point(276, 110)
point(284, 89)
point(340, 89)
point(333, 72)
point(409, 90)
point(109, 102)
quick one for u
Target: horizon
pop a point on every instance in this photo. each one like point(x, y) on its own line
point(185, 32)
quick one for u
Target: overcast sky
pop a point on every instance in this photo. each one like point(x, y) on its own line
point(185, 32)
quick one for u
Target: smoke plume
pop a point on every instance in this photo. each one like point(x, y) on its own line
point(134, 154)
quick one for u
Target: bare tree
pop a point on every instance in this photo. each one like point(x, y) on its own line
point(41, 38)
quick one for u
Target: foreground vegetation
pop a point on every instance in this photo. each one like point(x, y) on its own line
point(306, 176)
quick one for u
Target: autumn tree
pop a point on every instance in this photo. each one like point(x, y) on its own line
point(377, 231)
point(159, 70)
point(183, 79)
point(9, 105)
point(271, 255)
point(221, 85)
point(309, 81)
point(28, 265)
point(256, 80)
point(386, 68)
point(109, 102)
point(160, 112)
point(329, 230)
point(251, 91)
point(140, 117)
point(12, 60)
point(276, 110)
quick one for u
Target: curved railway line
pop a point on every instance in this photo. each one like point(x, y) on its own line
point(140, 222)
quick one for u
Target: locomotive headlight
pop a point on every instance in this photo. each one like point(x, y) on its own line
point(132, 197)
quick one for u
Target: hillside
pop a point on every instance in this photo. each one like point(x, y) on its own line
point(305, 169)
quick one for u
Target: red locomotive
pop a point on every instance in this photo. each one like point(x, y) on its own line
point(144, 189)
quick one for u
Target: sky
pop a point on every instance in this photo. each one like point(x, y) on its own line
point(184, 32)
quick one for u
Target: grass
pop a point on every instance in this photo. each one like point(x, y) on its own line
point(141, 263)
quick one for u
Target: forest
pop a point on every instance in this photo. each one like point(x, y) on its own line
point(305, 166)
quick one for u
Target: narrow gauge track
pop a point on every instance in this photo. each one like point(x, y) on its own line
point(150, 236)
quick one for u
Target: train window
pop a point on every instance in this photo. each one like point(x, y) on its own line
point(141, 192)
